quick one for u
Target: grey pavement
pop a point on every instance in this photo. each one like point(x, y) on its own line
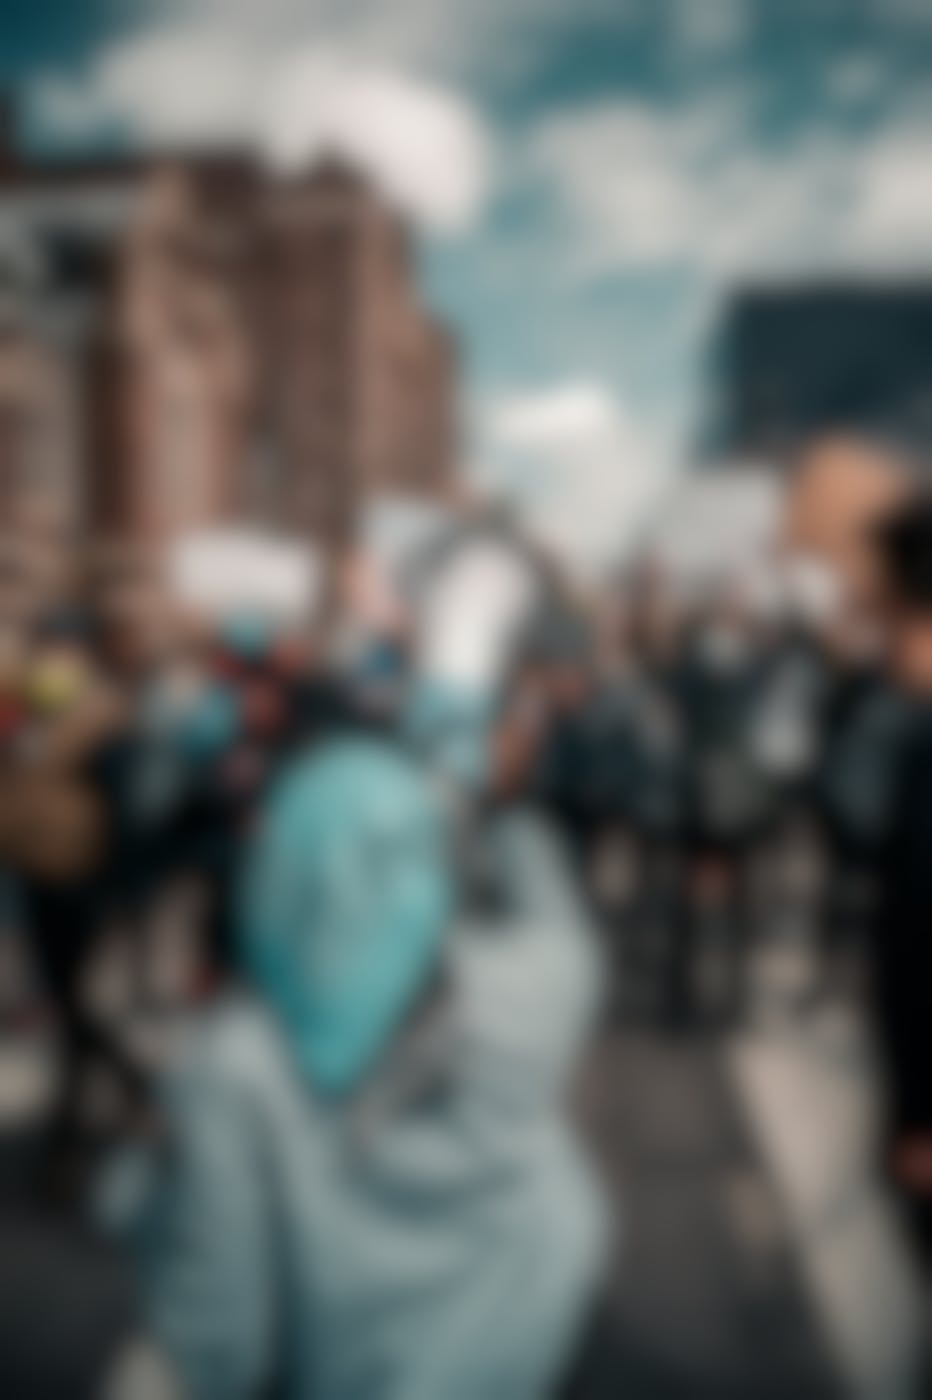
point(759, 1258)
point(707, 1299)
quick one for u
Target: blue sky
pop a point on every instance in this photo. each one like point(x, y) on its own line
point(592, 178)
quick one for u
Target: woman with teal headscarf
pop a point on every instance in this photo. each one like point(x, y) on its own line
point(372, 1192)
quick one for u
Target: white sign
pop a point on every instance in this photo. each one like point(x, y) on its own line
point(472, 612)
point(227, 573)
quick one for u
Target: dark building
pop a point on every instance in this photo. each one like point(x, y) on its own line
point(812, 359)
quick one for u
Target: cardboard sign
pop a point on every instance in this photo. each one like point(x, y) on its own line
point(472, 611)
point(229, 573)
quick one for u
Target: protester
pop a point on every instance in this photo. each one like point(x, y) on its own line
point(372, 1152)
point(57, 834)
point(400, 830)
point(902, 956)
point(717, 690)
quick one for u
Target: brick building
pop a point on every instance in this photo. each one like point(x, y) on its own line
point(358, 390)
point(169, 385)
point(39, 406)
point(240, 347)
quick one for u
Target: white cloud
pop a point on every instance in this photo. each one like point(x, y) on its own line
point(893, 222)
point(584, 475)
point(425, 144)
point(569, 413)
point(484, 40)
point(648, 186)
point(855, 78)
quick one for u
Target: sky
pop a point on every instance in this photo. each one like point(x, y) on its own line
point(591, 179)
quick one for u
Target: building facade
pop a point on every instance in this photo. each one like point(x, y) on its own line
point(357, 380)
point(241, 347)
point(805, 361)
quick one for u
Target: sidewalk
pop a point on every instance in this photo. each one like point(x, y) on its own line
point(709, 1301)
point(809, 1093)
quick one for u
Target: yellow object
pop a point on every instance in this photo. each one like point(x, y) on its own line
point(55, 684)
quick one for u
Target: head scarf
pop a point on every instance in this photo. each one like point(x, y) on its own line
point(247, 637)
point(345, 903)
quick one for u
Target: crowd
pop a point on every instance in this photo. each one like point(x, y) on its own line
point(374, 876)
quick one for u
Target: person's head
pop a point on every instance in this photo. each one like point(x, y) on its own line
point(346, 902)
point(60, 662)
point(247, 640)
point(614, 639)
point(296, 654)
point(140, 625)
point(724, 627)
point(841, 487)
point(656, 616)
point(904, 547)
point(558, 658)
point(12, 657)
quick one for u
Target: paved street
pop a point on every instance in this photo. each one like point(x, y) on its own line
point(759, 1259)
point(810, 1099)
point(708, 1298)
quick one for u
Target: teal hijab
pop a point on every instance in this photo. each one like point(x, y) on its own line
point(345, 902)
point(247, 636)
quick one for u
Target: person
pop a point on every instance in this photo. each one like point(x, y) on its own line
point(716, 692)
point(370, 1190)
point(859, 716)
point(901, 950)
point(605, 772)
point(56, 835)
point(557, 666)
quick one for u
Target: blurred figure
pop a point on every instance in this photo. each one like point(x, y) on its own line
point(717, 689)
point(373, 642)
point(56, 828)
point(557, 668)
point(642, 677)
point(371, 1190)
point(605, 772)
point(901, 947)
point(858, 720)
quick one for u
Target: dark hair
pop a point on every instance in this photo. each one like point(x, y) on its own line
point(66, 624)
point(905, 541)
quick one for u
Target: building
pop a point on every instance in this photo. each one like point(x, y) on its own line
point(239, 346)
point(170, 388)
point(39, 409)
point(358, 380)
point(804, 361)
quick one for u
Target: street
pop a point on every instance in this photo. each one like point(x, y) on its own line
point(758, 1257)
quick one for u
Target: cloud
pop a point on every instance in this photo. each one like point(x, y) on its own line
point(857, 78)
point(710, 26)
point(166, 87)
point(569, 413)
point(638, 185)
point(426, 145)
point(583, 474)
point(893, 218)
point(486, 41)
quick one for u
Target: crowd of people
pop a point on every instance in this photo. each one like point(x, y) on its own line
point(371, 902)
